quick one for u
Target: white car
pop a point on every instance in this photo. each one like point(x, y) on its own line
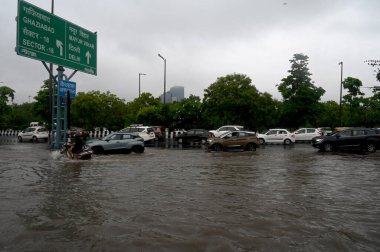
point(34, 134)
point(306, 134)
point(225, 129)
point(145, 132)
point(277, 136)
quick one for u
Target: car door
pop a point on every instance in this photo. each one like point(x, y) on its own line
point(28, 133)
point(343, 139)
point(357, 139)
point(301, 135)
point(310, 133)
point(126, 142)
point(113, 142)
point(190, 135)
point(281, 135)
point(231, 140)
point(271, 136)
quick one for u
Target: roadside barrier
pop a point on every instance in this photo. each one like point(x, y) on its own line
point(92, 134)
point(9, 132)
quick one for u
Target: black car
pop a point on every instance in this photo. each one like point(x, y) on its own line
point(361, 139)
point(193, 135)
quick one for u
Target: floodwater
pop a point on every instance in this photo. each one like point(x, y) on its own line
point(186, 199)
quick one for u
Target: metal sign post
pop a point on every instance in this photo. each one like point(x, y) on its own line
point(43, 36)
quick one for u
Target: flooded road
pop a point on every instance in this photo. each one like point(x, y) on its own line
point(185, 199)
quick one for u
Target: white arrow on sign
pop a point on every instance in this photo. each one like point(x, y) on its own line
point(59, 44)
point(88, 56)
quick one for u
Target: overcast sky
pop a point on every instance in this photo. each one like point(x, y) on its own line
point(203, 40)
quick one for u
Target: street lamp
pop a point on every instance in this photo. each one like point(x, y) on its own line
point(139, 81)
point(340, 99)
point(159, 55)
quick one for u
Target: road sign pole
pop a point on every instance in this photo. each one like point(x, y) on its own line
point(58, 136)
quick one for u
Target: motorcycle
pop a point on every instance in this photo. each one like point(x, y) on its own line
point(84, 154)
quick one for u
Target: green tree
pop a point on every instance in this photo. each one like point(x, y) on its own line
point(6, 96)
point(23, 114)
point(41, 106)
point(329, 116)
point(269, 111)
point(300, 96)
point(231, 100)
point(354, 101)
point(145, 104)
point(96, 109)
point(187, 114)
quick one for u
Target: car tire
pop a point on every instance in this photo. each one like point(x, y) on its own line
point(20, 139)
point(180, 140)
point(97, 150)
point(138, 149)
point(251, 147)
point(328, 147)
point(217, 147)
point(287, 141)
point(370, 147)
point(34, 139)
point(262, 141)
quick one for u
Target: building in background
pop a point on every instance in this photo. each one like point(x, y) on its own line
point(176, 93)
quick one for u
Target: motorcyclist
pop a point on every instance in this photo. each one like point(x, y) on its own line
point(78, 146)
point(75, 145)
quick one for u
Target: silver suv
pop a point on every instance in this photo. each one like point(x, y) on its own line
point(34, 134)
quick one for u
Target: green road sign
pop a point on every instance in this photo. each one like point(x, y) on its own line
point(46, 37)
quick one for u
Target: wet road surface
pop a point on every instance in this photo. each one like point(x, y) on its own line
point(185, 199)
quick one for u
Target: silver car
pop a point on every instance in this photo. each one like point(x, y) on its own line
point(118, 142)
point(34, 134)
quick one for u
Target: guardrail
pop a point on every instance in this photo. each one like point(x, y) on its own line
point(92, 134)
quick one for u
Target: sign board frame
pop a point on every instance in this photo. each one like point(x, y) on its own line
point(44, 36)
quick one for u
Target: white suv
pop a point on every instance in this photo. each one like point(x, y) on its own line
point(277, 136)
point(34, 134)
point(145, 132)
point(226, 128)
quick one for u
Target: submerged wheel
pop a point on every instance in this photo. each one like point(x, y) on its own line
point(138, 149)
point(262, 141)
point(217, 147)
point(371, 147)
point(20, 139)
point(180, 140)
point(327, 147)
point(34, 139)
point(287, 142)
point(97, 150)
point(251, 147)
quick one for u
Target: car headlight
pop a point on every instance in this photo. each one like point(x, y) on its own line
point(318, 140)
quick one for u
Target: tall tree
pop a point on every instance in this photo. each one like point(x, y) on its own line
point(231, 100)
point(300, 96)
point(354, 101)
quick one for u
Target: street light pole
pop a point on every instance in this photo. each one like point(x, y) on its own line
point(340, 99)
point(139, 81)
point(159, 55)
